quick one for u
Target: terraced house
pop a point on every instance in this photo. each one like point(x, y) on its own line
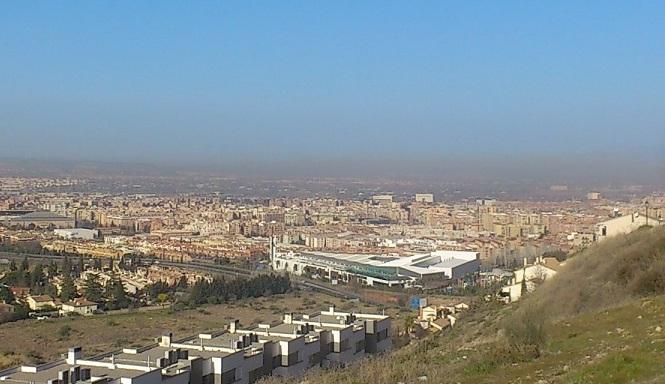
point(234, 355)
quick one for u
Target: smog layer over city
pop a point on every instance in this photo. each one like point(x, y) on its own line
point(332, 192)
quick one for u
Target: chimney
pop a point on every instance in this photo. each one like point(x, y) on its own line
point(233, 326)
point(74, 354)
point(332, 309)
point(288, 318)
point(525, 261)
point(165, 340)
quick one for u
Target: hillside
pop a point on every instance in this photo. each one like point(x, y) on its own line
point(601, 320)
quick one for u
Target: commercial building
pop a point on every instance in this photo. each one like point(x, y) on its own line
point(434, 267)
point(37, 219)
point(326, 339)
point(77, 233)
point(424, 198)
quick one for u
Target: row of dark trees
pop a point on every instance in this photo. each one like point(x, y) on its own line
point(163, 288)
point(38, 280)
point(221, 290)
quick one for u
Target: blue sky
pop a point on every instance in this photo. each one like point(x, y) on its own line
point(275, 80)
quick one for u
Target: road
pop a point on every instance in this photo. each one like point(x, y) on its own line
point(211, 268)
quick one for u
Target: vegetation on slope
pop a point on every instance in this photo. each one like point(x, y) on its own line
point(615, 271)
point(601, 320)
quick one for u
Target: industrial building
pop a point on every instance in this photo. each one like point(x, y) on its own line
point(35, 219)
point(77, 233)
point(234, 355)
point(428, 268)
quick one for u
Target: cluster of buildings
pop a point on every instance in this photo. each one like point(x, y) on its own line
point(134, 281)
point(208, 226)
point(439, 316)
point(234, 355)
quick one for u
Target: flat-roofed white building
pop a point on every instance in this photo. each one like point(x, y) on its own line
point(233, 355)
point(623, 224)
point(77, 233)
point(424, 198)
point(433, 267)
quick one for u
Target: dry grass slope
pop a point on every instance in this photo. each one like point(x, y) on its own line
point(604, 276)
point(601, 320)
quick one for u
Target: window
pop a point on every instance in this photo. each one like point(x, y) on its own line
point(290, 359)
point(208, 379)
point(341, 347)
point(229, 376)
point(255, 374)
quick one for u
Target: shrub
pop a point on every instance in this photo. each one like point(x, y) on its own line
point(64, 332)
point(525, 330)
point(650, 281)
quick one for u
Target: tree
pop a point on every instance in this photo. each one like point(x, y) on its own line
point(162, 298)
point(196, 295)
point(523, 287)
point(37, 279)
point(80, 266)
point(12, 266)
point(24, 264)
point(93, 289)
point(50, 289)
point(6, 295)
point(68, 291)
point(66, 267)
point(182, 283)
point(558, 254)
point(116, 294)
point(52, 269)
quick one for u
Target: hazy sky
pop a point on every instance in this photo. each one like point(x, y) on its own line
point(276, 80)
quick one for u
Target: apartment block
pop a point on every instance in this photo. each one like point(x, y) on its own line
point(234, 355)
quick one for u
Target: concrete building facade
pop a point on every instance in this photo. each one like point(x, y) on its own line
point(234, 355)
point(408, 271)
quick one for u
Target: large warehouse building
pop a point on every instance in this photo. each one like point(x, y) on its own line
point(35, 219)
point(428, 268)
